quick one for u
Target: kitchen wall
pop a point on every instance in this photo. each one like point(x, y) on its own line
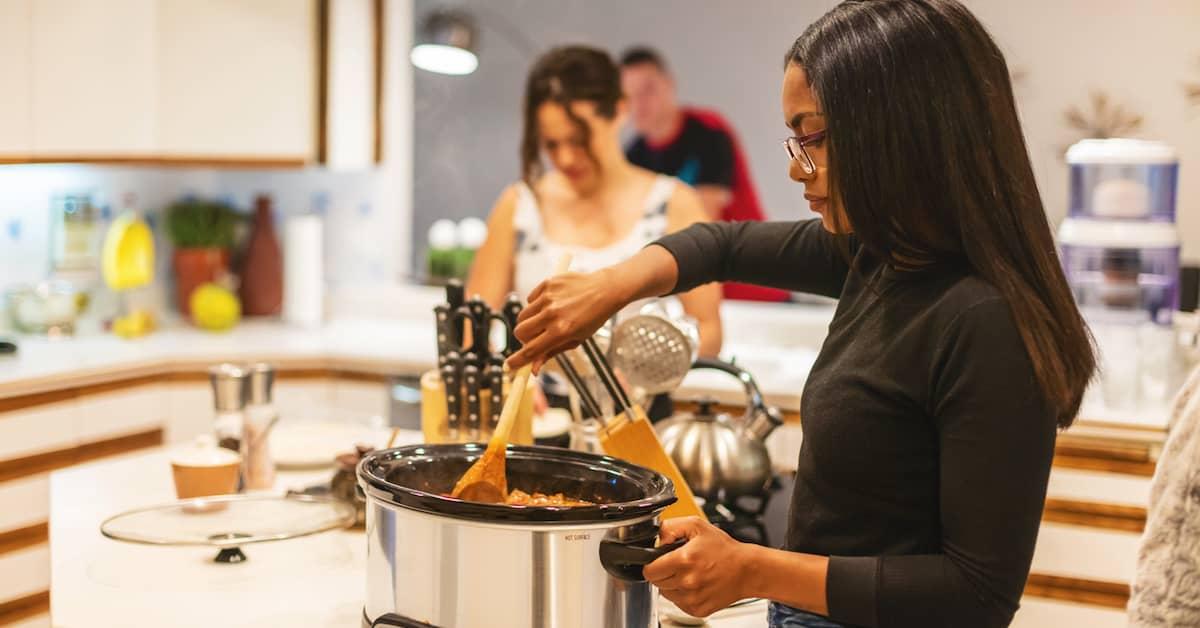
point(728, 55)
point(360, 222)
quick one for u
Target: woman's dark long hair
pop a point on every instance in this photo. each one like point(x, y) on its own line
point(565, 75)
point(928, 159)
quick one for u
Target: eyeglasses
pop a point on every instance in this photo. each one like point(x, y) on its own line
point(796, 147)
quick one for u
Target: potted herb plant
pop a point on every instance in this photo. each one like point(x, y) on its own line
point(202, 233)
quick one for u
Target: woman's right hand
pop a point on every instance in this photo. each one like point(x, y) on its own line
point(564, 311)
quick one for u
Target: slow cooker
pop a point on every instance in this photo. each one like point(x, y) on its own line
point(433, 560)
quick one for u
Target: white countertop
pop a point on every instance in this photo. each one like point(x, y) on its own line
point(314, 581)
point(50, 363)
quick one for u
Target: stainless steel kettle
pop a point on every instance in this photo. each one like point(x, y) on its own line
point(722, 458)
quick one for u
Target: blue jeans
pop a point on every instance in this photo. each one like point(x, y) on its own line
point(780, 616)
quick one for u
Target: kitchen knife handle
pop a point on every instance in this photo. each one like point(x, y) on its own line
point(459, 318)
point(455, 293)
point(510, 312)
point(471, 384)
point(496, 385)
point(442, 315)
point(481, 320)
point(453, 402)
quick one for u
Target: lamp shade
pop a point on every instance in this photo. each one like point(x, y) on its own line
point(446, 43)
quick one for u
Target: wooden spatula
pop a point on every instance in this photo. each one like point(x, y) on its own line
point(486, 481)
point(630, 437)
point(634, 440)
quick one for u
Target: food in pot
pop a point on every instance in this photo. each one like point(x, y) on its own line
point(517, 497)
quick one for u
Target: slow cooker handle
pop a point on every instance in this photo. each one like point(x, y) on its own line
point(624, 560)
point(391, 619)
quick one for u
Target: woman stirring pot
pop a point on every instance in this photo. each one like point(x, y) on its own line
point(955, 355)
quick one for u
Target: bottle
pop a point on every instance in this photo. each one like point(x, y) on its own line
point(260, 416)
point(230, 384)
point(262, 268)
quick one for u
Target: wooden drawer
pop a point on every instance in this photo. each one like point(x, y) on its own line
point(1039, 613)
point(24, 502)
point(24, 572)
point(1083, 552)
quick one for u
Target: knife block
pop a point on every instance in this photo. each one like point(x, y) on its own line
point(435, 425)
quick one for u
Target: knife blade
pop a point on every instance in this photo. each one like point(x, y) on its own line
point(471, 386)
point(511, 310)
point(450, 381)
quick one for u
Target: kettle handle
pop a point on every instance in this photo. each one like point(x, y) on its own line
point(754, 398)
point(759, 420)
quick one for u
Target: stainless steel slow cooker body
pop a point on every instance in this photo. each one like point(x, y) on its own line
point(437, 561)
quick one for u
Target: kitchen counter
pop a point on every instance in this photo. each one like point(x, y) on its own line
point(390, 332)
point(777, 344)
point(313, 581)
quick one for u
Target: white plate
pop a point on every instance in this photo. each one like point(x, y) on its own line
point(308, 444)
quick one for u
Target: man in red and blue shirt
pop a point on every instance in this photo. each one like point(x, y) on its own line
point(697, 146)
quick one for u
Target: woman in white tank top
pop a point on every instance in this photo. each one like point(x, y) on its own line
point(593, 204)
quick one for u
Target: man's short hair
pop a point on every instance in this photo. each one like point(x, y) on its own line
point(638, 55)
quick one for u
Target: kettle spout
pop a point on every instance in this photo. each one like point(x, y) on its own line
point(763, 422)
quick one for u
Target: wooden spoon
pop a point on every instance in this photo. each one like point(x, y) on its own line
point(486, 480)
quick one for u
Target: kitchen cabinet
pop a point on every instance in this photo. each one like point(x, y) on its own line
point(352, 67)
point(93, 66)
point(237, 80)
point(280, 83)
point(16, 140)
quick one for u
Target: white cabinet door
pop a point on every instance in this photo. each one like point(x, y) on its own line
point(350, 91)
point(16, 137)
point(237, 79)
point(93, 77)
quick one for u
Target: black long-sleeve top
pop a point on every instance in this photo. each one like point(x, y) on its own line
point(927, 440)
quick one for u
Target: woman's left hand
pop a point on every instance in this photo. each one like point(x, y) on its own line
point(704, 576)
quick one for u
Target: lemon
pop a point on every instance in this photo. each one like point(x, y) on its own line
point(127, 259)
point(214, 308)
point(133, 325)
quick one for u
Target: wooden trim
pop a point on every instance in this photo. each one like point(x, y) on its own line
point(13, 611)
point(1093, 463)
point(1095, 515)
point(322, 81)
point(361, 376)
point(1108, 450)
point(48, 461)
point(789, 416)
point(379, 16)
point(12, 404)
point(21, 538)
point(241, 162)
point(290, 374)
point(36, 399)
point(1081, 590)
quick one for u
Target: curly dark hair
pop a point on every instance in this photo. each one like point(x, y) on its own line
point(566, 75)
